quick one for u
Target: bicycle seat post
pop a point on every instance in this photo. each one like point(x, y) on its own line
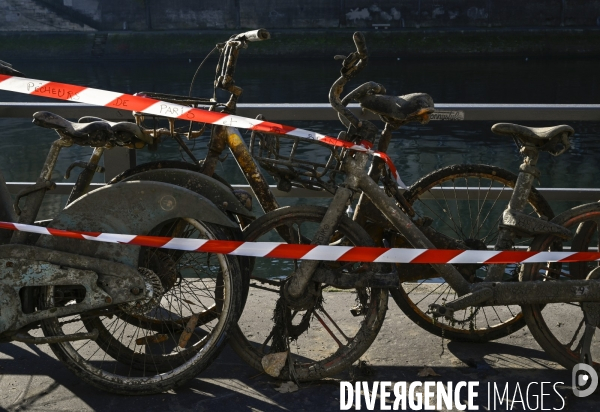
point(35, 194)
point(528, 172)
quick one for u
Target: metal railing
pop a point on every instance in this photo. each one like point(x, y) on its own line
point(322, 111)
point(118, 160)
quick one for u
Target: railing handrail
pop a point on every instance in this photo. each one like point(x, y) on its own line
point(461, 193)
point(323, 111)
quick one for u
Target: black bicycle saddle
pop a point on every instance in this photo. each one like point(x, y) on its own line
point(76, 130)
point(399, 109)
point(92, 131)
point(554, 140)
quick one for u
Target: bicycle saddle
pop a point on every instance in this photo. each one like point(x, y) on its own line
point(74, 130)
point(399, 109)
point(126, 127)
point(553, 139)
point(97, 132)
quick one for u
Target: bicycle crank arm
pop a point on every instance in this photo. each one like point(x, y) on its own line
point(357, 280)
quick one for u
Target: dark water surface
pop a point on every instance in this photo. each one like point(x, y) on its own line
point(416, 149)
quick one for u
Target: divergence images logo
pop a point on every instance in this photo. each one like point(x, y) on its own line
point(585, 380)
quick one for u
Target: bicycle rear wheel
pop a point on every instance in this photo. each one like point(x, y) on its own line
point(324, 339)
point(558, 327)
point(165, 341)
point(472, 217)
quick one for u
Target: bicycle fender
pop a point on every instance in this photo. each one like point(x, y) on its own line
point(206, 186)
point(133, 207)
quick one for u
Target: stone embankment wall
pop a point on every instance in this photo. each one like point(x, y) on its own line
point(112, 15)
point(29, 15)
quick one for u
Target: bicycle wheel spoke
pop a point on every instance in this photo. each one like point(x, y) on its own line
point(413, 289)
point(458, 207)
point(340, 344)
point(441, 219)
point(490, 211)
point(430, 293)
point(458, 229)
point(322, 310)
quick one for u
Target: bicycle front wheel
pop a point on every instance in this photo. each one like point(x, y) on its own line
point(329, 336)
point(464, 202)
point(161, 343)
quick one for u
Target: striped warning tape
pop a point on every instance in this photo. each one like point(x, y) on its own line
point(316, 252)
point(70, 92)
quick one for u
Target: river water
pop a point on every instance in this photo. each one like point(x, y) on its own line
point(416, 149)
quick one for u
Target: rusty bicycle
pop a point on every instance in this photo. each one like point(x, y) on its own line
point(479, 325)
point(471, 324)
point(306, 285)
point(125, 319)
point(501, 321)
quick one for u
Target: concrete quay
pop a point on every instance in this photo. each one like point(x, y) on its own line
point(32, 379)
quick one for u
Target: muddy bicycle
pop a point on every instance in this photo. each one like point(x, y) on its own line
point(378, 227)
point(308, 284)
point(481, 324)
point(126, 319)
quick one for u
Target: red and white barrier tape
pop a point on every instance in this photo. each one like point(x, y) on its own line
point(80, 94)
point(314, 252)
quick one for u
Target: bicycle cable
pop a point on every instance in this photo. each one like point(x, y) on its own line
point(190, 95)
point(198, 69)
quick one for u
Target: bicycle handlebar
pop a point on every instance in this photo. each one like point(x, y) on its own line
point(361, 45)
point(253, 35)
point(351, 66)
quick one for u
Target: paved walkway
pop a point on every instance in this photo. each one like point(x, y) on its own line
point(32, 379)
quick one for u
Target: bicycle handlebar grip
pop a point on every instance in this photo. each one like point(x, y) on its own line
point(253, 35)
point(361, 45)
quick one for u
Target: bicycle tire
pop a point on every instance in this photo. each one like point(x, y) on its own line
point(320, 365)
point(140, 353)
point(498, 179)
point(555, 333)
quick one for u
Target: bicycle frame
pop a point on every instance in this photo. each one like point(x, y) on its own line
point(107, 271)
point(226, 136)
point(484, 294)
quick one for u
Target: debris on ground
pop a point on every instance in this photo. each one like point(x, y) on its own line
point(273, 363)
point(287, 387)
point(427, 371)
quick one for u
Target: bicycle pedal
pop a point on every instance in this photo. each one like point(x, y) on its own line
point(439, 311)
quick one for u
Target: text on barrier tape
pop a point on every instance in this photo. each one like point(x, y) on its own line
point(98, 97)
point(316, 252)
